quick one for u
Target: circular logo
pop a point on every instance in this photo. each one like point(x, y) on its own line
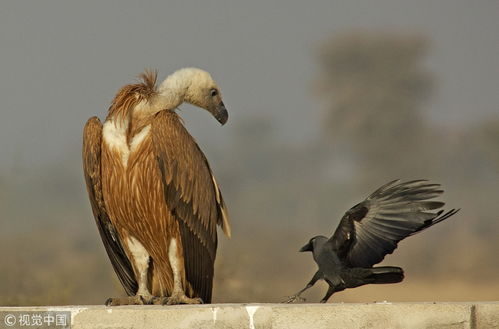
point(9, 320)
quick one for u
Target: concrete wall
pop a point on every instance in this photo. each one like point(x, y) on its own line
point(276, 316)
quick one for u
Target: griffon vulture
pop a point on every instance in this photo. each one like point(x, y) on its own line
point(154, 198)
point(369, 231)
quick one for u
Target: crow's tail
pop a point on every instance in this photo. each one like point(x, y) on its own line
point(387, 274)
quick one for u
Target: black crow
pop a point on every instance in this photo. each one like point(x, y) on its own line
point(369, 231)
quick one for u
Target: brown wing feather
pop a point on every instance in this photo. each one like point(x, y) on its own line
point(92, 138)
point(192, 196)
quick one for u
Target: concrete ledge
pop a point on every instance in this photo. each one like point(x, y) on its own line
point(470, 315)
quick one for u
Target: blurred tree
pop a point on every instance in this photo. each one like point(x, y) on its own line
point(488, 139)
point(376, 85)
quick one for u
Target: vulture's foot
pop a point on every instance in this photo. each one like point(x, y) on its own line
point(181, 298)
point(160, 300)
point(294, 298)
point(130, 300)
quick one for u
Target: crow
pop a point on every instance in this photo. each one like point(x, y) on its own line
point(369, 231)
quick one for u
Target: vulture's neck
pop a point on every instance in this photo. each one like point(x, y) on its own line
point(172, 92)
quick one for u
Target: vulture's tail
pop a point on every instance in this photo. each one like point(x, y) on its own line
point(387, 274)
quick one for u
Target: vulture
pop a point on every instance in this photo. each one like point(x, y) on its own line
point(369, 231)
point(155, 200)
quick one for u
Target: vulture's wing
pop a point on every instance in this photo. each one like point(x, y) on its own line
point(92, 138)
point(371, 229)
point(192, 196)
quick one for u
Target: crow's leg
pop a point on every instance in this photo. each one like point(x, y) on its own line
point(329, 292)
point(297, 296)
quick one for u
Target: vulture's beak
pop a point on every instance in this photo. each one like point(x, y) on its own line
point(307, 247)
point(221, 113)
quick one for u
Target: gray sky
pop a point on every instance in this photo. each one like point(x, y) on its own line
point(61, 61)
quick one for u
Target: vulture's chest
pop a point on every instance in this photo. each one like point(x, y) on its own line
point(122, 148)
point(131, 180)
point(129, 168)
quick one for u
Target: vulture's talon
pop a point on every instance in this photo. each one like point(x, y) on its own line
point(131, 300)
point(182, 299)
point(160, 300)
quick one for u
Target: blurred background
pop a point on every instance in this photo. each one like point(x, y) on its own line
point(327, 101)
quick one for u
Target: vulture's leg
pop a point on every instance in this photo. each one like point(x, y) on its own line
point(140, 260)
point(297, 296)
point(178, 295)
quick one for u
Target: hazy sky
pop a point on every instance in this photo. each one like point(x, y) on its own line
point(61, 61)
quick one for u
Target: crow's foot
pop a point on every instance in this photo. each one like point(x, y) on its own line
point(294, 298)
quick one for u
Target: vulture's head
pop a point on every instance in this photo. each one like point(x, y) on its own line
point(198, 88)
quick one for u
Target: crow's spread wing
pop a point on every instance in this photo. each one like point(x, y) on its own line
point(371, 229)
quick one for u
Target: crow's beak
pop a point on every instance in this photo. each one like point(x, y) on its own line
point(307, 247)
point(221, 113)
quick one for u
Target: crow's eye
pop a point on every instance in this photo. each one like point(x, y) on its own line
point(213, 92)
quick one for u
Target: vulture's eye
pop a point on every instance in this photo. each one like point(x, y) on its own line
point(214, 92)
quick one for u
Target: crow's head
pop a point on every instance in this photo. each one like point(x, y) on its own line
point(312, 243)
